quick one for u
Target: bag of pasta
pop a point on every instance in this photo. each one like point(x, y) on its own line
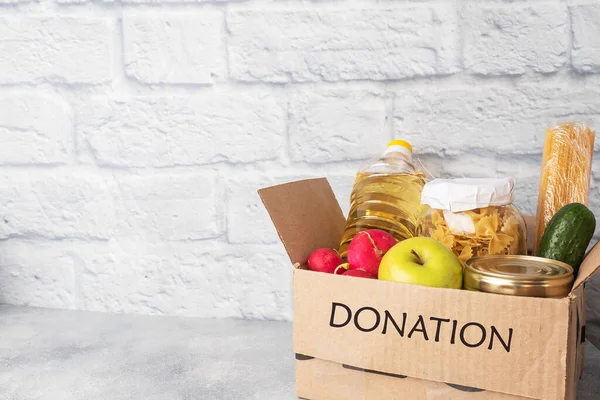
point(474, 217)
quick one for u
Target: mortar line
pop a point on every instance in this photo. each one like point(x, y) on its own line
point(571, 37)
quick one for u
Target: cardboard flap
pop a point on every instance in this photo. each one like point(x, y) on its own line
point(306, 215)
point(588, 267)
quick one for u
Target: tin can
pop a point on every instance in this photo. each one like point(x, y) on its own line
point(518, 276)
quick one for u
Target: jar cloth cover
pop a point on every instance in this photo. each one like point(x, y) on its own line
point(464, 194)
point(474, 216)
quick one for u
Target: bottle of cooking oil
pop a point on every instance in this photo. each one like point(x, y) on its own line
point(387, 196)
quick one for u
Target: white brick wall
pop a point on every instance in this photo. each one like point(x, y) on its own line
point(177, 47)
point(35, 128)
point(197, 128)
point(136, 133)
point(322, 43)
point(57, 48)
point(501, 39)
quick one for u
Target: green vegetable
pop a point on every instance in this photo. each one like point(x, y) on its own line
point(568, 235)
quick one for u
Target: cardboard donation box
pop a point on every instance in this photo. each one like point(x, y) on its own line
point(358, 338)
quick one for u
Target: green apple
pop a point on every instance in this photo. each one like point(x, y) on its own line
point(422, 261)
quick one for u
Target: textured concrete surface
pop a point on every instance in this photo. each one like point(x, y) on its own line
point(67, 355)
point(135, 133)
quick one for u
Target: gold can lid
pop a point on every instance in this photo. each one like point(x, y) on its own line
point(518, 276)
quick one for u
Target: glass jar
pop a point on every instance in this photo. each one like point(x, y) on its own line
point(474, 217)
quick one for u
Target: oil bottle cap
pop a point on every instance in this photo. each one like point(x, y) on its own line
point(399, 146)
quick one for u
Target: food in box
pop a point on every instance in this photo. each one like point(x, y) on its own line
point(396, 327)
point(474, 217)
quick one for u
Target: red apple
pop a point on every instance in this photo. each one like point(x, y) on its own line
point(324, 260)
point(367, 249)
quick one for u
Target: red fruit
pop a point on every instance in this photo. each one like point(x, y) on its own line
point(367, 249)
point(324, 260)
point(340, 269)
point(358, 273)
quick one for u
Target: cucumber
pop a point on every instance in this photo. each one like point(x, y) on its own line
point(568, 235)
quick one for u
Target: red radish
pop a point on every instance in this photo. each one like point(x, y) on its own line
point(367, 249)
point(324, 260)
point(358, 273)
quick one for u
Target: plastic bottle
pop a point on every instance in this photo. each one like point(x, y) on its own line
point(387, 196)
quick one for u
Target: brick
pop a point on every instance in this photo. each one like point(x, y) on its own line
point(337, 126)
point(170, 207)
point(199, 279)
point(515, 39)
point(594, 196)
point(493, 120)
point(56, 205)
point(585, 22)
point(263, 291)
point(182, 130)
point(55, 49)
point(175, 47)
point(341, 44)
point(144, 277)
point(35, 129)
point(174, 2)
point(247, 218)
point(37, 274)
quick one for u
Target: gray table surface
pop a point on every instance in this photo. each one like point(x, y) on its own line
point(64, 355)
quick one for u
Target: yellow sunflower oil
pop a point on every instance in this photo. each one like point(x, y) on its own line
point(386, 195)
